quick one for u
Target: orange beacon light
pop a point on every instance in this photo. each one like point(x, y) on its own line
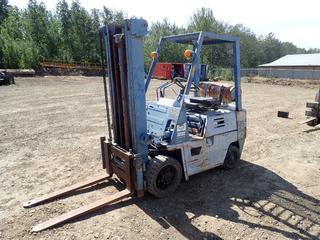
point(188, 53)
point(153, 55)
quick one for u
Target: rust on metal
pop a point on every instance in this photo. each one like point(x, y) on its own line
point(313, 111)
point(66, 190)
point(105, 86)
point(116, 149)
point(124, 90)
point(118, 128)
point(105, 149)
point(69, 65)
point(123, 154)
point(123, 172)
point(119, 172)
point(103, 156)
point(82, 210)
point(117, 94)
point(209, 89)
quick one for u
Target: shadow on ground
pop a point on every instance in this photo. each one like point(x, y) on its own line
point(249, 188)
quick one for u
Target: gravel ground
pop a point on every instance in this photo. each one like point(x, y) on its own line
point(50, 129)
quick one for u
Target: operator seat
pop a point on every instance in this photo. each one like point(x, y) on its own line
point(202, 104)
point(206, 102)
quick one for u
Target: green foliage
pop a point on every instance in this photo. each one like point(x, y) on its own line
point(16, 47)
point(169, 52)
point(203, 20)
point(3, 10)
point(112, 16)
point(224, 74)
point(69, 33)
point(250, 50)
point(254, 50)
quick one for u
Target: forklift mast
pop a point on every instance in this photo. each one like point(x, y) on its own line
point(125, 152)
point(123, 47)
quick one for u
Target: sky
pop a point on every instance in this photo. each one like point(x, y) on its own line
point(294, 21)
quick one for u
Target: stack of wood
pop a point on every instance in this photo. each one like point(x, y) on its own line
point(314, 111)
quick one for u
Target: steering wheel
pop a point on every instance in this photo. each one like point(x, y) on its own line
point(178, 81)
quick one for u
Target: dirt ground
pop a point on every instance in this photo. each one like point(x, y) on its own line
point(50, 129)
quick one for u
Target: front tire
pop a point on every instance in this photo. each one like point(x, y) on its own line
point(163, 176)
point(232, 158)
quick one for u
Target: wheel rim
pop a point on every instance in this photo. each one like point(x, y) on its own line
point(166, 177)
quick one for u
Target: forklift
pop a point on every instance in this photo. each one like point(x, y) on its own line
point(153, 146)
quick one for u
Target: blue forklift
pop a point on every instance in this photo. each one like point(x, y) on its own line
point(152, 146)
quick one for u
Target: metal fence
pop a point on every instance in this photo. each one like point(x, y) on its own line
point(227, 73)
point(281, 73)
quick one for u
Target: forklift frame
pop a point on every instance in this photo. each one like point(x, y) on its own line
point(125, 151)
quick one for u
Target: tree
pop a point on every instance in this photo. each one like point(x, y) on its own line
point(169, 52)
point(83, 36)
point(271, 48)
point(249, 51)
point(112, 16)
point(37, 18)
point(63, 18)
point(3, 10)
point(204, 20)
point(15, 42)
point(70, 33)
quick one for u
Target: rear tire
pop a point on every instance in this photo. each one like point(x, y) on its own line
point(232, 158)
point(163, 176)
